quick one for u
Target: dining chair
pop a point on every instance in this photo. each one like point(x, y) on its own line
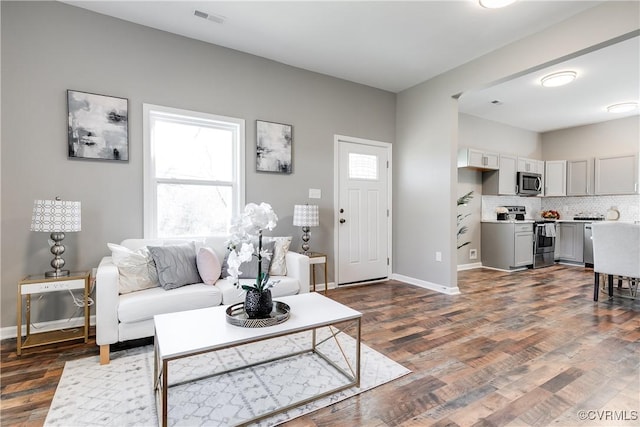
point(616, 253)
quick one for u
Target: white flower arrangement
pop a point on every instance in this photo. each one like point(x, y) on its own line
point(244, 228)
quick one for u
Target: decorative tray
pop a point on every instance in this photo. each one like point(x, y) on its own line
point(238, 317)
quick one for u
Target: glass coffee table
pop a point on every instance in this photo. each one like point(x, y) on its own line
point(194, 332)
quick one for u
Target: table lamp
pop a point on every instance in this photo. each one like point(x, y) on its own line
point(306, 216)
point(56, 217)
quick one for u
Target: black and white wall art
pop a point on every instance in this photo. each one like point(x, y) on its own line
point(273, 147)
point(98, 126)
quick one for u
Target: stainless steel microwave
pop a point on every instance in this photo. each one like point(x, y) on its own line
point(529, 184)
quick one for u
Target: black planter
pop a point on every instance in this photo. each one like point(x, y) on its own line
point(258, 305)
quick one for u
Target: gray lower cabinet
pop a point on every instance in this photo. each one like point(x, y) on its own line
point(506, 245)
point(570, 242)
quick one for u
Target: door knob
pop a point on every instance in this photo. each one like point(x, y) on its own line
point(342, 220)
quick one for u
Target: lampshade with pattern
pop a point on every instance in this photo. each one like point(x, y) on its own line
point(56, 217)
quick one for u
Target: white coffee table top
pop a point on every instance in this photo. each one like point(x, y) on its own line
point(187, 332)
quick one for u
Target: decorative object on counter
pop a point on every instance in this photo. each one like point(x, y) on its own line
point(613, 214)
point(56, 217)
point(98, 126)
point(463, 201)
point(244, 229)
point(550, 214)
point(306, 216)
point(237, 315)
point(502, 213)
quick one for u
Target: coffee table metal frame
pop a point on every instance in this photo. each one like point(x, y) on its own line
point(350, 321)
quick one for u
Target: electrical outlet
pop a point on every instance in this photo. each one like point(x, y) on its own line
point(473, 254)
point(438, 256)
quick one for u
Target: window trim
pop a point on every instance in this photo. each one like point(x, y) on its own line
point(150, 181)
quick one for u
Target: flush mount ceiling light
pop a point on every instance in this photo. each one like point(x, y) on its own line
point(495, 4)
point(558, 79)
point(623, 107)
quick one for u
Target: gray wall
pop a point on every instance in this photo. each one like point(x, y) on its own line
point(49, 47)
point(425, 187)
point(621, 136)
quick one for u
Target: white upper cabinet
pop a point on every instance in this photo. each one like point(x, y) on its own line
point(503, 181)
point(616, 174)
point(478, 159)
point(528, 165)
point(555, 178)
point(580, 177)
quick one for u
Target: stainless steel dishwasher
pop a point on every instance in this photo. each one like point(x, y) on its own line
point(588, 246)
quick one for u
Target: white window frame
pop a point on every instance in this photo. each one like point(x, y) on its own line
point(237, 126)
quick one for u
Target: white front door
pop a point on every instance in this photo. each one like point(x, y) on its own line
point(363, 217)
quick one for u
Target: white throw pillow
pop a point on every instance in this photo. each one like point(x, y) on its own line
point(136, 269)
point(209, 266)
point(278, 263)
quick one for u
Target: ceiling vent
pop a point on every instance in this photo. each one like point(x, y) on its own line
point(219, 19)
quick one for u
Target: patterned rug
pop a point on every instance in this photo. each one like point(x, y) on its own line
point(121, 393)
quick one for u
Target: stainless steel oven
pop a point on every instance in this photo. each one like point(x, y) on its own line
point(544, 244)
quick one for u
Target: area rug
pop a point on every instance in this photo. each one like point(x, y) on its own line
point(121, 393)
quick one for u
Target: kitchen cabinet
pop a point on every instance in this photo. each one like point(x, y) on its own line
point(507, 245)
point(555, 178)
point(580, 177)
point(503, 181)
point(478, 159)
point(616, 175)
point(570, 242)
point(529, 165)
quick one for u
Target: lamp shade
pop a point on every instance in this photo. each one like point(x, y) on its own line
point(306, 216)
point(56, 216)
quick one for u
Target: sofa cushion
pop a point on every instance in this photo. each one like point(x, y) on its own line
point(143, 305)
point(249, 269)
point(232, 295)
point(176, 265)
point(209, 266)
point(136, 269)
point(278, 264)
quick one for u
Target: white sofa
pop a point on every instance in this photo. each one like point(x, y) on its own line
point(122, 317)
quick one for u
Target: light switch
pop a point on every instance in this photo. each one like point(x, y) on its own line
point(315, 193)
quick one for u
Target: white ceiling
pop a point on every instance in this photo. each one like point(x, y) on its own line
point(391, 45)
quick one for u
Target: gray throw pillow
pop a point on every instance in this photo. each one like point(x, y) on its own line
point(176, 265)
point(249, 269)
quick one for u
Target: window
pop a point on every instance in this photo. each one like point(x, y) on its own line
point(193, 169)
point(363, 166)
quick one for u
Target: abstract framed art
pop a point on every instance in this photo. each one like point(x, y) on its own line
point(273, 147)
point(98, 126)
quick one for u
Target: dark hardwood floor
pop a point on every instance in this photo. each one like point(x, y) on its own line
point(523, 349)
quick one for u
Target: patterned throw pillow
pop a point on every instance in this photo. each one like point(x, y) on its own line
point(176, 265)
point(136, 269)
point(278, 263)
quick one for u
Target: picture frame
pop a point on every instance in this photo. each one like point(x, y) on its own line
point(274, 143)
point(98, 127)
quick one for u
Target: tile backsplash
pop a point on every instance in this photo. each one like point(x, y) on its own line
point(490, 203)
point(628, 206)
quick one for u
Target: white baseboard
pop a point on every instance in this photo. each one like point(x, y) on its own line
point(462, 267)
point(11, 331)
point(449, 290)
